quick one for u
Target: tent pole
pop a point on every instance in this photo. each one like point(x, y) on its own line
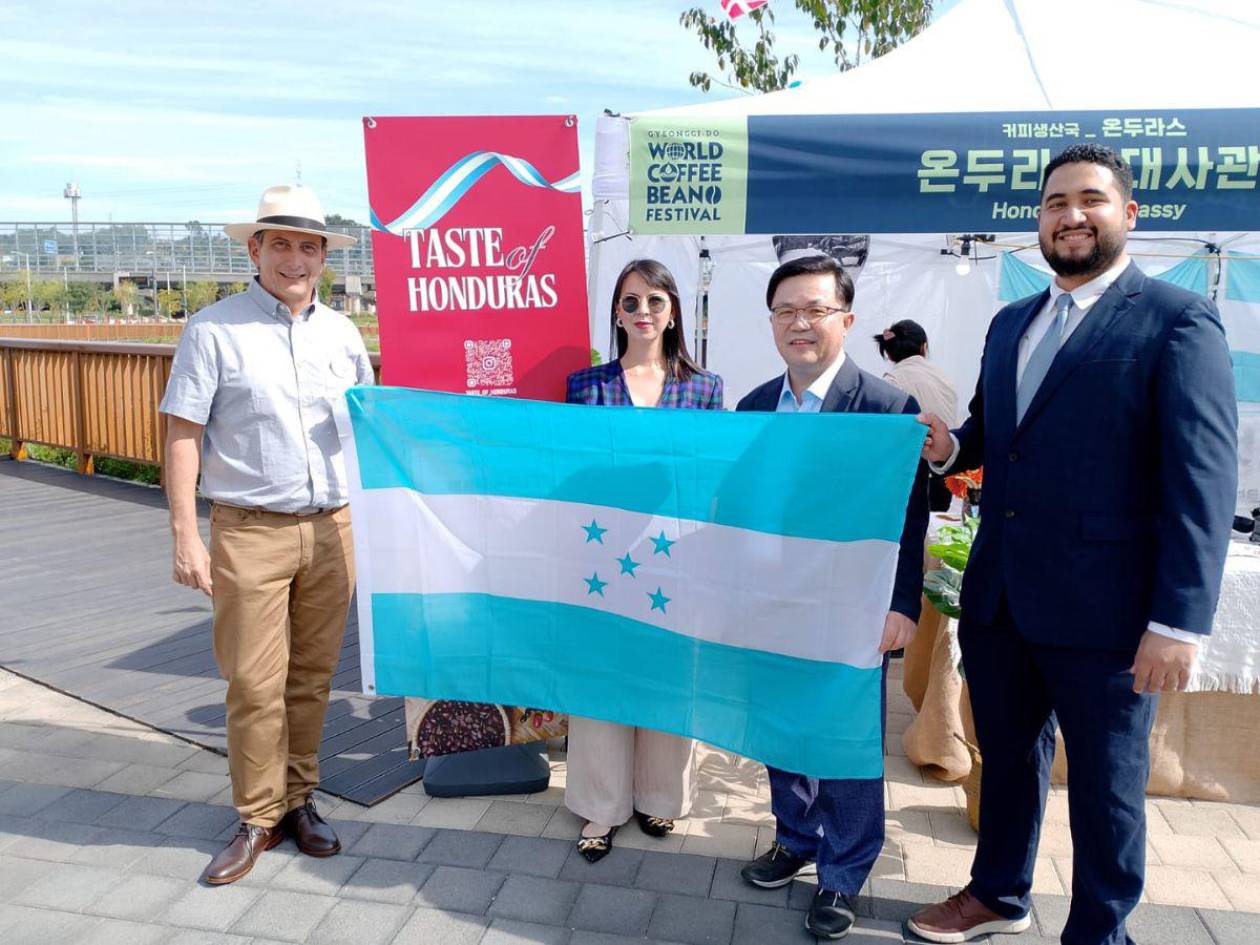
point(702, 306)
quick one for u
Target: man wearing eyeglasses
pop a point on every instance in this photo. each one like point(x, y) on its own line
point(835, 827)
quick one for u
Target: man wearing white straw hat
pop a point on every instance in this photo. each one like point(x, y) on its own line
point(249, 403)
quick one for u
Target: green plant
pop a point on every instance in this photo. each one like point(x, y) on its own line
point(125, 469)
point(942, 585)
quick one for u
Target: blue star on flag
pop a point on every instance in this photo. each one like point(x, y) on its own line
point(659, 600)
point(594, 585)
point(628, 564)
point(662, 544)
point(594, 532)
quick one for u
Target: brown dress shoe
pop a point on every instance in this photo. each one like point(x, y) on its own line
point(309, 831)
point(239, 856)
point(960, 918)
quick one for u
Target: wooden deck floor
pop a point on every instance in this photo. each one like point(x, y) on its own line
point(88, 607)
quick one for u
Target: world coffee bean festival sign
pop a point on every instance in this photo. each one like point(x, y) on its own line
point(1194, 169)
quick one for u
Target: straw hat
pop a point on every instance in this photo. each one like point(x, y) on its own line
point(293, 208)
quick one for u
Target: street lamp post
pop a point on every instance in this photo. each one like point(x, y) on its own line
point(157, 313)
point(30, 300)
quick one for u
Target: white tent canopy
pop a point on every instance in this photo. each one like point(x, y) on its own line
point(984, 55)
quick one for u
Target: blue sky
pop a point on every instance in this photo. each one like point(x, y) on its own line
point(172, 111)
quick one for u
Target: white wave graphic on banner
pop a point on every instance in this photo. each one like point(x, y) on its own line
point(458, 179)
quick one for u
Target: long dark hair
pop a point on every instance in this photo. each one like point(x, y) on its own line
point(678, 362)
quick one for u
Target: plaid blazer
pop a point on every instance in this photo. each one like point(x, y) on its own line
point(606, 384)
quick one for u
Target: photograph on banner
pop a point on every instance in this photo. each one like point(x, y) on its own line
point(478, 254)
point(949, 172)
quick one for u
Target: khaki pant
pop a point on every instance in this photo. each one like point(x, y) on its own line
point(282, 588)
point(614, 770)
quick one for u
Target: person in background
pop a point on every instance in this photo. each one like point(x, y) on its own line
point(615, 771)
point(905, 344)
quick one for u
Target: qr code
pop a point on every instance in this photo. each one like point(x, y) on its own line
point(489, 363)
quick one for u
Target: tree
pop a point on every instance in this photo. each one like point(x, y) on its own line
point(103, 300)
point(126, 294)
point(236, 287)
point(13, 294)
point(852, 29)
point(336, 219)
point(326, 280)
point(79, 297)
point(201, 294)
point(50, 293)
point(170, 301)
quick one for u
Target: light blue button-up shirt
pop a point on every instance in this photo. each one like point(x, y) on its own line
point(812, 399)
point(264, 383)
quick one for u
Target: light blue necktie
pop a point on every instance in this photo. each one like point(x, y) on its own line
point(1042, 357)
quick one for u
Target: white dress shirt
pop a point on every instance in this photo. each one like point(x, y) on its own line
point(1083, 299)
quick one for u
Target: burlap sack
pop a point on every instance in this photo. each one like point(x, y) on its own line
point(1202, 747)
point(936, 739)
point(917, 662)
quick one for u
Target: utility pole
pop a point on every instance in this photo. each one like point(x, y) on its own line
point(72, 194)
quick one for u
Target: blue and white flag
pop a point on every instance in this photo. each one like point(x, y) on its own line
point(717, 575)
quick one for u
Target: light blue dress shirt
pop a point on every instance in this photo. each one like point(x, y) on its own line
point(812, 399)
point(264, 383)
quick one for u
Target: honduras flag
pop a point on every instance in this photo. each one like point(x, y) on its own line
point(717, 575)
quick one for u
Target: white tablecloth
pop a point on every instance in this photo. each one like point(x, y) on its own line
point(1229, 659)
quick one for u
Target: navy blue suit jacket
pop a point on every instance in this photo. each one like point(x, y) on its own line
point(856, 391)
point(1110, 504)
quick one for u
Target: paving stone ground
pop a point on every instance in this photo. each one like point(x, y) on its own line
point(106, 825)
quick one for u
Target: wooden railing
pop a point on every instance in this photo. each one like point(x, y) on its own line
point(148, 331)
point(95, 398)
point(155, 331)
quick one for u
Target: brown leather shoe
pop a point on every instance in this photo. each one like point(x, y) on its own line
point(961, 918)
point(309, 831)
point(238, 857)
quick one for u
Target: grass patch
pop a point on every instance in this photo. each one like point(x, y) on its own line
point(104, 466)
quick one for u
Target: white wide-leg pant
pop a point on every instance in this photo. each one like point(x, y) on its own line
point(614, 770)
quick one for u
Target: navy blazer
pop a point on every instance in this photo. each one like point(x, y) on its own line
point(1110, 504)
point(856, 391)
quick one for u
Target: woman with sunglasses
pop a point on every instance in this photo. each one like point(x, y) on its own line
point(615, 771)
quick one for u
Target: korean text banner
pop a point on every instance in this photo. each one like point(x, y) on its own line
point(718, 575)
point(477, 243)
point(965, 172)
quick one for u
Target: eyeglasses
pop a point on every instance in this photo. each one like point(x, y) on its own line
point(787, 315)
point(656, 304)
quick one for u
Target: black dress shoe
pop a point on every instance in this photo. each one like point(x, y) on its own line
point(777, 867)
point(594, 849)
point(655, 826)
point(830, 915)
point(309, 831)
point(239, 856)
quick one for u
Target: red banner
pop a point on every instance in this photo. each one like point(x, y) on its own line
point(477, 239)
